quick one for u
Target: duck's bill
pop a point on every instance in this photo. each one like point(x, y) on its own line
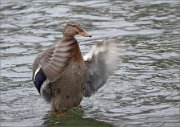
point(83, 33)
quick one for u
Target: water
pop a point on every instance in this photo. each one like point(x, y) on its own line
point(143, 91)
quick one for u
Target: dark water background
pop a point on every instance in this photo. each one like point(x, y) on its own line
point(143, 91)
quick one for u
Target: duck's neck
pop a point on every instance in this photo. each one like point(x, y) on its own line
point(75, 52)
point(68, 38)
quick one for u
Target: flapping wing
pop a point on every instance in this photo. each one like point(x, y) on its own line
point(43, 56)
point(39, 78)
point(48, 65)
point(53, 60)
point(52, 67)
point(100, 61)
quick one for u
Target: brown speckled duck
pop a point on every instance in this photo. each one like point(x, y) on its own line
point(63, 76)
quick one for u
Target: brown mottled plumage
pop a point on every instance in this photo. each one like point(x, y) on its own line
point(61, 74)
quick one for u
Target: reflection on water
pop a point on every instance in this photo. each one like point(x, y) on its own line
point(143, 91)
point(73, 117)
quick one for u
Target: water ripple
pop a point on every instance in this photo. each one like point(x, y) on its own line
point(143, 91)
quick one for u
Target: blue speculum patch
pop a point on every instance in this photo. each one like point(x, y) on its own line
point(39, 79)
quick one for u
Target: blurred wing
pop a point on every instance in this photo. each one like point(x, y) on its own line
point(52, 61)
point(54, 65)
point(44, 55)
point(39, 78)
point(48, 65)
point(100, 62)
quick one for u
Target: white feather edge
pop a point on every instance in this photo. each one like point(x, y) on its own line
point(44, 85)
point(94, 51)
point(36, 72)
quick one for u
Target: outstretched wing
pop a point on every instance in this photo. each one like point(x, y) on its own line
point(100, 62)
point(49, 64)
point(39, 78)
point(54, 65)
point(53, 60)
point(43, 56)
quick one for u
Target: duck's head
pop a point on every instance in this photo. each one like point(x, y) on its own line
point(72, 28)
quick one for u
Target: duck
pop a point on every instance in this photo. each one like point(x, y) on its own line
point(63, 75)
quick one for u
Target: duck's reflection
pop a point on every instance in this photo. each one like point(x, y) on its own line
point(73, 118)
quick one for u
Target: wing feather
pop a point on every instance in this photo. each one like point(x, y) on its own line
point(53, 60)
point(58, 61)
point(100, 61)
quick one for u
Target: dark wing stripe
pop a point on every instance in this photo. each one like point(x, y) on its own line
point(67, 44)
point(39, 79)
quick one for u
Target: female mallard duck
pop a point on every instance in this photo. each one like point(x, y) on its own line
point(63, 76)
